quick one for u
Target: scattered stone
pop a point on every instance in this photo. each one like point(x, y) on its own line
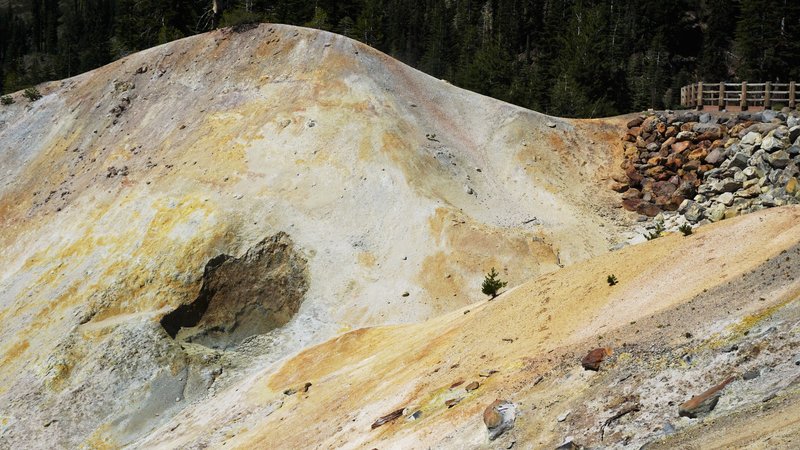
point(453, 402)
point(406, 294)
point(414, 416)
point(779, 159)
point(387, 418)
point(704, 403)
point(791, 186)
point(716, 212)
point(487, 373)
point(569, 444)
point(472, 386)
point(769, 144)
point(635, 122)
point(726, 198)
point(715, 156)
point(499, 417)
point(595, 357)
point(730, 348)
point(751, 138)
point(563, 416)
point(751, 374)
point(551, 124)
point(694, 212)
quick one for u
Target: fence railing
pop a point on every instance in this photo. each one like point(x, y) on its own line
point(739, 96)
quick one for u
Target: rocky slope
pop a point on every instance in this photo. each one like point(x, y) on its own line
point(190, 216)
point(701, 332)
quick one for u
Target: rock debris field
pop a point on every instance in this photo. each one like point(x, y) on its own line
point(697, 168)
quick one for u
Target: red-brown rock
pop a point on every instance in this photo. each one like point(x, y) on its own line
point(632, 193)
point(697, 154)
point(595, 357)
point(704, 168)
point(674, 161)
point(631, 204)
point(648, 209)
point(634, 177)
point(649, 124)
point(668, 143)
point(618, 187)
point(387, 418)
point(663, 188)
point(679, 147)
point(640, 142)
point(635, 122)
point(703, 403)
point(657, 173)
point(708, 136)
point(691, 165)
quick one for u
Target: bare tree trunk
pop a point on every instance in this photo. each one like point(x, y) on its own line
point(216, 11)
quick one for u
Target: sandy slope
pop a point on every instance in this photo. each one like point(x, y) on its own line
point(708, 284)
point(120, 185)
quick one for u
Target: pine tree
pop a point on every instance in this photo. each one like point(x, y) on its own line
point(492, 284)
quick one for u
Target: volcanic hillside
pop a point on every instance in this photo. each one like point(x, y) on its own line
point(275, 237)
point(200, 210)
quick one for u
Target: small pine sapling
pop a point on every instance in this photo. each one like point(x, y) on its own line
point(6, 100)
point(491, 284)
point(686, 229)
point(32, 94)
point(655, 233)
point(612, 280)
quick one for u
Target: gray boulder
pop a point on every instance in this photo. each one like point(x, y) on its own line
point(706, 127)
point(726, 199)
point(726, 185)
point(779, 159)
point(715, 156)
point(794, 134)
point(768, 115)
point(751, 138)
point(739, 160)
point(771, 143)
point(750, 172)
point(694, 212)
point(716, 212)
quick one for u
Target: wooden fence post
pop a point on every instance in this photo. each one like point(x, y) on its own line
point(767, 96)
point(700, 95)
point(792, 94)
point(721, 95)
point(743, 100)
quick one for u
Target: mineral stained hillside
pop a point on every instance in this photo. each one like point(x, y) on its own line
point(203, 208)
point(275, 237)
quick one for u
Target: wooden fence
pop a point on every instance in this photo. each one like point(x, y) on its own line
point(739, 96)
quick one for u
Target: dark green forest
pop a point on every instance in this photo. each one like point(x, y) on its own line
point(577, 58)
